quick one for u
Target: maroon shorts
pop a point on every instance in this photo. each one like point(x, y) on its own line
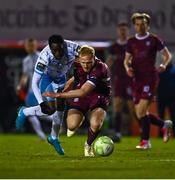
point(122, 88)
point(144, 89)
point(88, 103)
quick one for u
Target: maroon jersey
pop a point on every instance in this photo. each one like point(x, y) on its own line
point(99, 76)
point(144, 53)
point(117, 51)
point(121, 81)
point(100, 96)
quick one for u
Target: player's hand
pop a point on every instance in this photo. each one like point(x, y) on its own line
point(46, 109)
point(161, 68)
point(130, 72)
point(51, 94)
point(67, 88)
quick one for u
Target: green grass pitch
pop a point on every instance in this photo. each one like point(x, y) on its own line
point(23, 156)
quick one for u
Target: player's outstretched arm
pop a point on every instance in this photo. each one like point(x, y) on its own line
point(83, 91)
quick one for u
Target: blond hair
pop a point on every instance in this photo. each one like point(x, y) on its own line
point(142, 16)
point(86, 50)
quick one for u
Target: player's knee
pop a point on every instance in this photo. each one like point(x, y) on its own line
point(140, 113)
point(98, 114)
point(71, 127)
point(96, 125)
point(118, 106)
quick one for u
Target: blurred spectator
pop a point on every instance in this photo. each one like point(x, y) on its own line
point(166, 94)
point(120, 80)
point(24, 88)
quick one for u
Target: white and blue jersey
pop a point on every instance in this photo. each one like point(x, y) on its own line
point(28, 66)
point(52, 72)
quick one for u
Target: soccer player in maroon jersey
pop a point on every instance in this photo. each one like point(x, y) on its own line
point(139, 63)
point(122, 92)
point(92, 91)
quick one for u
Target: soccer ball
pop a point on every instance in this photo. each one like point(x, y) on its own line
point(103, 146)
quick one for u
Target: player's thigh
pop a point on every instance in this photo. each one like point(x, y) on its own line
point(74, 118)
point(31, 99)
point(131, 108)
point(142, 108)
point(118, 103)
point(97, 117)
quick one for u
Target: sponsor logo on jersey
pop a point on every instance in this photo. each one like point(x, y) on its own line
point(40, 67)
point(148, 43)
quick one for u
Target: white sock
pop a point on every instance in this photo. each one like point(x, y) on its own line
point(33, 111)
point(56, 123)
point(37, 126)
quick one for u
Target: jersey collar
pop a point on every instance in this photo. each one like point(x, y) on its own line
point(142, 37)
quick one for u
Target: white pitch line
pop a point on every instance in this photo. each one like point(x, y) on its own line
point(158, 160)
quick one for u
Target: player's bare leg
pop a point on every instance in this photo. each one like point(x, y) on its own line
point(147, 119)
point(96, 121)
point(74, 121)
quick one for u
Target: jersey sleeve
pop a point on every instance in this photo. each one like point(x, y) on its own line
point(128, 47)
point(42, 62)
point(160, 44)
point(35, 86)
point(25, 66)
point(93, 80)
point(73, 47)
point(100, 75)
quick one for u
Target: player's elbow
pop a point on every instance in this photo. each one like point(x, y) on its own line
point(169, 56)
point(125, 64)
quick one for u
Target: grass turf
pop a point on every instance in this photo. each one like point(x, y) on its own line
point(23, 156)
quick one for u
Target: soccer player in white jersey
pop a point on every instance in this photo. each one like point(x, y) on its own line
point(54, 61)
point(28, 66)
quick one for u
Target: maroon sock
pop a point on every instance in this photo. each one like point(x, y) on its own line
point(118, 122)
point(91, 136)
point(145, 124)
point(156, 120)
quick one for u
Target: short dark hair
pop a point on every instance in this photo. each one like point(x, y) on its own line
point(143, 16)
point(57, 39)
